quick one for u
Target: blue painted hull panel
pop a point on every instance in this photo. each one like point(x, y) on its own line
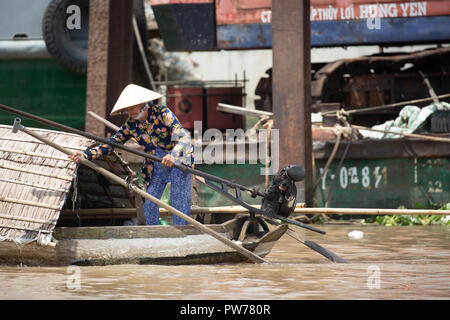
point(342, 33)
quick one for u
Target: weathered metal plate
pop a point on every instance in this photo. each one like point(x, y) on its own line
point(385, 183)
point(186, 25)
point(247, 24)
point(367, 183)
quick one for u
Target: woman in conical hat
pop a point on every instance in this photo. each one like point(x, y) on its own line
point(158, 130)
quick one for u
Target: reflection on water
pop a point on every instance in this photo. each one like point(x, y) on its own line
point(388, 263)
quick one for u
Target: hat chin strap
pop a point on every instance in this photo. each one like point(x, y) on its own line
point(140, 115)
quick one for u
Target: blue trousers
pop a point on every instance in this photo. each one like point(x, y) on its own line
point(180, 191)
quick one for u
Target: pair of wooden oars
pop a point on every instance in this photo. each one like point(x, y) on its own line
point(310, 244)
point(250, 255)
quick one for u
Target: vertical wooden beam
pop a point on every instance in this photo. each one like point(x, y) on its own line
point(291, 86)
point(120, 53)
point(97, 64)
point(110, 58)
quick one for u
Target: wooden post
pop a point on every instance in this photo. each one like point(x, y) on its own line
point(110, 58)
point(291, 87)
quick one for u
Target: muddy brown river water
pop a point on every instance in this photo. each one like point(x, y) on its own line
point(387, 263)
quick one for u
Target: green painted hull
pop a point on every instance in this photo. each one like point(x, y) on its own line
point(42, 87)
point(385, 183)
point(359, 183)
point(244, 174)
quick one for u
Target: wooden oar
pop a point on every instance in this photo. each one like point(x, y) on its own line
point(316, 247)
point(103, 120)
point(112, 144)
point(253, 257)
point(311, 244)
point(393, 105)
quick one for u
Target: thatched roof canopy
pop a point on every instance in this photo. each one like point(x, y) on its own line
point(34, 182)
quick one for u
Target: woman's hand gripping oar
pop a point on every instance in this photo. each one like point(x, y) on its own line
point(250, 255)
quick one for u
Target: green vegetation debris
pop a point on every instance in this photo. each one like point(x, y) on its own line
point(412, 220)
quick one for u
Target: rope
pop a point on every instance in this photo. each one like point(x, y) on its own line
point(393, 105)
point(75, 197)
point(338, 133)
point(267, 123)
point(268, 126)
point(330, 192)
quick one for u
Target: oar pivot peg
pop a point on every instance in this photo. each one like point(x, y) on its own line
point(17, 125)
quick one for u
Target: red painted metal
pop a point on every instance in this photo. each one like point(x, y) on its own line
point(251, 11)
point(218, 119)
point(161, 2)
point(186, 104)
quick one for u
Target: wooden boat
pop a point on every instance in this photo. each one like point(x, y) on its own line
point(171, 245)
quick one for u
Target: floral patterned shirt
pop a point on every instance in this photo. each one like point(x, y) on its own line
point(161, 129)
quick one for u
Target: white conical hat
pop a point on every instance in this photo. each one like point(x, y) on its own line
point(133, 95)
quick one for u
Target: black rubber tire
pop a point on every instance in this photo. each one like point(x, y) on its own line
point(70, 47)
point(141, 20)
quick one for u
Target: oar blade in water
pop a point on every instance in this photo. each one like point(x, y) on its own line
point(316, 247)
point(325, 252)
